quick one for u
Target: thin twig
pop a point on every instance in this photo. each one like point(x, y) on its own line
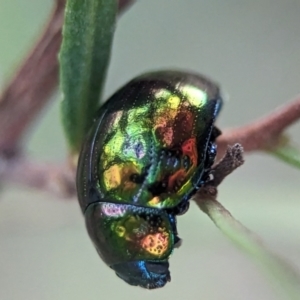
point(34, 82)
point(124, 4)
point(28, 92)
point(263, 133)
point(232, 159)
point(255, 136)
point(58, 180)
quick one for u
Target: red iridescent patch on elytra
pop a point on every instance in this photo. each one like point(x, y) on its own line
point(156, 244)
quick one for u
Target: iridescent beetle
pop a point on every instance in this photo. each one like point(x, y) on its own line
point(150, 148)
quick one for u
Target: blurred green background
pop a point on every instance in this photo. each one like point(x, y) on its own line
point(252, 49)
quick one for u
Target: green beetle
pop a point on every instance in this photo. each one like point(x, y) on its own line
point(150, 148)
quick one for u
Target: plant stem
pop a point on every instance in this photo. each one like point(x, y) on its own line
point(283, 274)
point(263, 133)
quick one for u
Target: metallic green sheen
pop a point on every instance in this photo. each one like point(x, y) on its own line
point(148, 146)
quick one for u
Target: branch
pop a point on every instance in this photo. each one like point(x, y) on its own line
point(258, 135)
point(36, 79)
point(262, 134)
point(124, 4)
point(58, 180)
point(34, 82)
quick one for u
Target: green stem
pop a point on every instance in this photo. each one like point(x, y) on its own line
point(84, 56)
point(281, 273)
point(288, 152)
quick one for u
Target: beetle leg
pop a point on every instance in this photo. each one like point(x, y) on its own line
point(182, 208)
point(177, 239)
point(215, 133)
point(177, 242)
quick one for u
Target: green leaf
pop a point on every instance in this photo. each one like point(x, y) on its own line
point(283, 275)
point(84, 56)
point(287, 151)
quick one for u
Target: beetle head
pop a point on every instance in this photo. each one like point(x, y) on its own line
point(146, 274)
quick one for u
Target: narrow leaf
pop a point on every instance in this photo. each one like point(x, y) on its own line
point(84, 57)
point(282, 274)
